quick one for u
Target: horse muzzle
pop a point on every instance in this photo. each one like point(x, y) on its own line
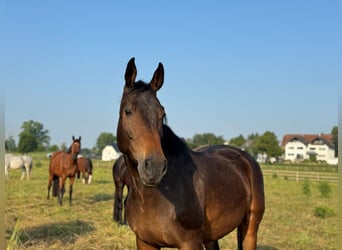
point(152, 171)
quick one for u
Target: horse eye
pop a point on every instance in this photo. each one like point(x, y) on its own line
point(128, 112)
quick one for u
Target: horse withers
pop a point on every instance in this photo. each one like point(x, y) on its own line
point(24, 162)
point(178, 197)
point(63, 165)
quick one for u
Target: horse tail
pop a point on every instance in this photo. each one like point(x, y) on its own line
point(90, 167)
point(55, 186)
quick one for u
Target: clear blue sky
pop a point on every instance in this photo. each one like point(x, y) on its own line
point(231, 67)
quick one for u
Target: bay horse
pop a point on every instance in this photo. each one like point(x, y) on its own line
point(63, 165)
point(84, 166)
point(178, 197)
point(24, 162)
point(121, 179)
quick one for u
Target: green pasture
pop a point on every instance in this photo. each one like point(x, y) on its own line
point(295, 218)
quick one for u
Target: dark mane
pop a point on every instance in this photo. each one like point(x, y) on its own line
point(172, 143)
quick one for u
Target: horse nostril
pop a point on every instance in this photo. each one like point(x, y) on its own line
point(147, 166)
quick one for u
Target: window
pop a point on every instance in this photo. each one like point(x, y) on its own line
point(301, 148)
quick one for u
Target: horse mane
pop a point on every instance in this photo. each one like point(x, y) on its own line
point(172, 143)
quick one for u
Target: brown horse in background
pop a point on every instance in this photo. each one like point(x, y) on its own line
point(84, 166)
point(178, 197)
point(63, 165)
point(121, 179)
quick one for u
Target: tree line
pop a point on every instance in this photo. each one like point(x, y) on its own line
point(34, 137)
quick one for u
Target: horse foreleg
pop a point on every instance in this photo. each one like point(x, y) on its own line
point(28, 172)
point(117, 213)
point(22, 175)
point(49, 185)
point(212, 246)
point(72, 179)
point(61, 190)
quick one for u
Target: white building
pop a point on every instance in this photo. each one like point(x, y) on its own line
point(301, 147)
point(110, 152)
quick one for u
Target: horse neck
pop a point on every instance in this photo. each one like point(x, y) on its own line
point(172, 144)
point(73, 157)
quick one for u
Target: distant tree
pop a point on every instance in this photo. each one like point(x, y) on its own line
point(269, 144)
point(54, 148)
point(237, 141)
point(251, 144)
point(33, 137)
point(103, 140)
point(27, 143)
point(10, 145)
point(334, 133)
point(205, 139)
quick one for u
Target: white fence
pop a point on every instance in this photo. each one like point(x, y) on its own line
point(301, 175)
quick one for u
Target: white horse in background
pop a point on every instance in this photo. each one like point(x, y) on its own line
point(24, 162)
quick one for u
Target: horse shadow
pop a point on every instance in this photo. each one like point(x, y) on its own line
point(48, 233)
point(264, 247)
point(101, 197)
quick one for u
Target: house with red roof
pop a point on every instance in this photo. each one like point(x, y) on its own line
point(298, 147)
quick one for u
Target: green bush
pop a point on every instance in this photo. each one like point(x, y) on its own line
point(324, 189)
point(306, 188)
point(323, 211)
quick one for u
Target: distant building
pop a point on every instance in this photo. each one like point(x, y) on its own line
point(110, 152)
point(300, 147)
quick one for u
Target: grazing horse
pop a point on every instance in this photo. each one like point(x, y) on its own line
point(84, 166)
point(178, 197)
point(24, 162)
point(63, 165)
point(121, 179)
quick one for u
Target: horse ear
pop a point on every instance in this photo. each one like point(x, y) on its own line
point(73, 138)
point(131, 73)
point(158, 78)
point(79, 138)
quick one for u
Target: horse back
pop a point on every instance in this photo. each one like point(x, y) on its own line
point(233, 160)
point(62, 164)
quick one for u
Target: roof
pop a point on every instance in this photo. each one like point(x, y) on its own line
point(114, 145)
point(308, 138)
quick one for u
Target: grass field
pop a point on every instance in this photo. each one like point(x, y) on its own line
point(33, 222)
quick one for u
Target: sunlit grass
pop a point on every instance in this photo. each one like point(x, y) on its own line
point(33, 222)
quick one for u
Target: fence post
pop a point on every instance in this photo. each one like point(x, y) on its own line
point(317, 176)
point(297, 176)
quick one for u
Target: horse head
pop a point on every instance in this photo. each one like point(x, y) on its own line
point(140, 126)
point(75, 147)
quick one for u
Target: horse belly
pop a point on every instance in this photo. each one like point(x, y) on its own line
point(220, 222)
point(16, 163)
point(225, 206)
